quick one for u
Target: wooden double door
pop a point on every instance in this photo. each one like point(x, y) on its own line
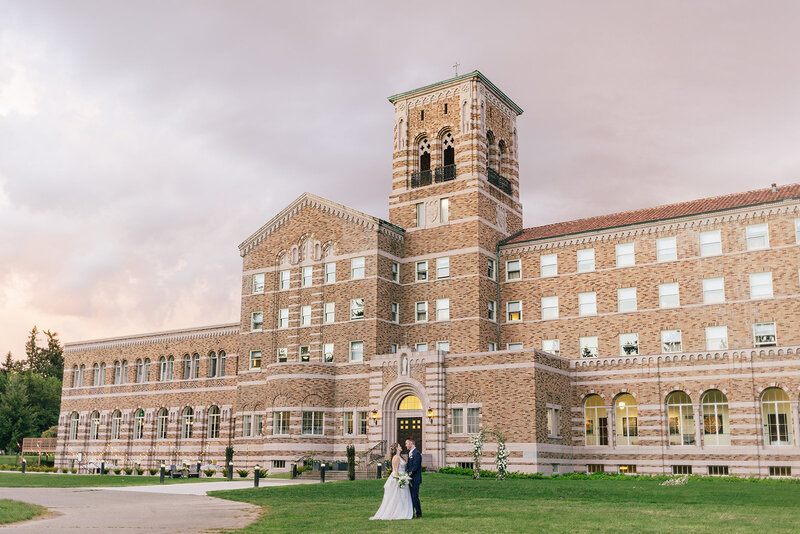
point(409, 428)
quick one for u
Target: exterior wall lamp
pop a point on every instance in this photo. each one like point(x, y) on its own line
point(375, 416)
point(430, 415)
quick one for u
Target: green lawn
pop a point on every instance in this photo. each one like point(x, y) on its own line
point(459, 504)
point(13, 511)
point(47, 480)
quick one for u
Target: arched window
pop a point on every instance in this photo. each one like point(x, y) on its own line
point(424, 155)
point(124, 371)
point(81, 376)
point(221, 363)
point(501, 155)
point(627, 420)
point(75, 376)
point(94, 426)
point(187, 422)
point(410, 402)
point(170, 368)
point(74, 418)
point(95, 374)
point(117, 372)
point(187, 367)
point(491, 151)
point(162, 369)
point(101, 380)
point(212, 364)
point(681, 419)
point(116, 424)
point(213, 422)
point(146, 372)
point(139, 371)
point(163, 423)
point(448, 149)
point(596, 418)
point(195, 365)
point(776, 417)
point(138, 424)
point(715, 418)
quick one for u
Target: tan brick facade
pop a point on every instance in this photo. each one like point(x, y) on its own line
point(343, 315)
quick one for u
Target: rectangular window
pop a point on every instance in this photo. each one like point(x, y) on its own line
point(797, 230)
point(780, 471)
point(681, 469)
point(395, 312)
point(421, 312)
point(420, 214)
point(514, 346)
point(490, 269)
point(671, 341)
point(305, 353)
point(356, 351)
point(307, 276)
point(710, 243)
point(757, 236)
point(549, 265)
point(330, 272)
point(363, 418)
point(586, 260)
point(444, 210)
point(668, 296)
point(553, 422)
point(256, 321)
point(549, 308)
point(718, 470)
point(356, 309)
point(443, 346)
point(280, 423)
point(625, 255)
point(473, 421)
point(282, 354)
point(627, 469)
point(595, 468)
point(492, 347)
point(284, 280)
point(442, 309)
point(442, 268)
point(514, 311)
point(312, 423)
point(551, 346)
point(283, 318)
point(330, 312)
point(587, 303)
point(492, 311)
point(421, 347)
point(628, 344)
point(457, 421)
point(395, 271)
point(305, 315)
point(422, 271)
point(258, 283)
point(761, 285)
point(348, 425)
point(279, 464)
point(255, 359)
point(357, 268)
point(514, 270)
point(667, 249)
point(246, 425)
point(589, 347)
point(713, 290)
point(327, 352)
point(257, 425)
point(764, 335)
point(716, 337)
point(393, 348)
point(626, 299)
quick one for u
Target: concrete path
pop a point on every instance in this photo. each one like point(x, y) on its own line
point(202, 488)
point(100, 510)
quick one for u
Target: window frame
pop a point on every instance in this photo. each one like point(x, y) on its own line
point(761, 295)
point(330, 272)
point(620, 253)
point(511, 318)
point(711, 294)
point(548, 265)
point(443, 266)
point(587, 307)
point(358, 272)
point(255, 359)
point(442, 309)
point(669, 252)
point(750, 234)
point(353, 344)
point(259, 280)
point(549, 307)
point(665, 344)
point(662, 295)
point(421, 275)
point(307, 276)
point(584, 345)
point(627, 299)
point(284, 280)
point(305, 315)
point(582, 264)
point(421, 309)
point(518, 270)
point(256, 325)
point(357, 309)
point(720, 328)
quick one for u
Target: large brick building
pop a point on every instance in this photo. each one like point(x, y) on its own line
point(658, 340)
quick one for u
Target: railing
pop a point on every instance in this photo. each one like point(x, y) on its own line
point(372, 455)
point(439, 175)
point(497, 180)
point(39, 445)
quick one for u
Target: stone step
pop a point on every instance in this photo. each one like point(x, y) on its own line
point(337, 475)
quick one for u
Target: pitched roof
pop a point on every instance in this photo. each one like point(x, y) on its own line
point(658, 213)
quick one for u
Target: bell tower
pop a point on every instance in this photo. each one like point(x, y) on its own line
point(455, 190)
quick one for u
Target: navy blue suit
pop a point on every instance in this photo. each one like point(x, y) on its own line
point(414, 469)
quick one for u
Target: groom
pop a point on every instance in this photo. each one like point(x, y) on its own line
point(414, 470)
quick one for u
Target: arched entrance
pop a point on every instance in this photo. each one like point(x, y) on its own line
point(404, 405)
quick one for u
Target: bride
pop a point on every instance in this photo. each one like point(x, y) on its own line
point(396, 499)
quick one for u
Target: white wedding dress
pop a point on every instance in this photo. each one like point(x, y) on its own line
point(396, 500)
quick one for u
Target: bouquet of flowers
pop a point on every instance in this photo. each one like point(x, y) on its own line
point(403, 479)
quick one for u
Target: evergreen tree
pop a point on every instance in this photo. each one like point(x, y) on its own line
point(44, 400)
point(47, 361)
point(16, 415)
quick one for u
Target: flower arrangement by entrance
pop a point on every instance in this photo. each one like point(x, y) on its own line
point(501, 457)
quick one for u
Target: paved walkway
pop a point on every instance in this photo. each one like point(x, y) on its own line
point(202, 488)
point(133, 510)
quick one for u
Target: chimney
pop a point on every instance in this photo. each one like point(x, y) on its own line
point(774, 188)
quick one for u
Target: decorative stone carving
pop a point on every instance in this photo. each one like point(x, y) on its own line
point(502, 218)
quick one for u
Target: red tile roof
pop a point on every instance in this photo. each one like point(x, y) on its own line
point(659, 213)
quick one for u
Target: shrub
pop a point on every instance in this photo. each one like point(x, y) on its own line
point(262, 473)
point(152, 471)
point(117, 471)
point(243, 472)
point(106, 470)
point(139, 471)
point(351, 462)
point(129, 470)
point(73, 470)
point(303, 469)
point(209, 472)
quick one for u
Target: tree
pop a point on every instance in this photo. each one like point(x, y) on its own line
point(16, 415)
point(44, 399)
point(46, 361)
point(10, 366)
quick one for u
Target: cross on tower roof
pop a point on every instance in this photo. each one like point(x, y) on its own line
point(456, 67)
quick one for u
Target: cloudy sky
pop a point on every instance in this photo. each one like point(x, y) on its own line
point(141, 142)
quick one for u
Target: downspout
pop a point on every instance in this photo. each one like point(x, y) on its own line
point(664, 421)
point(497, 283)
point(759, 421)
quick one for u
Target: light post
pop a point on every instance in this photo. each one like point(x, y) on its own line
point(256, 475)
point(161, 476)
